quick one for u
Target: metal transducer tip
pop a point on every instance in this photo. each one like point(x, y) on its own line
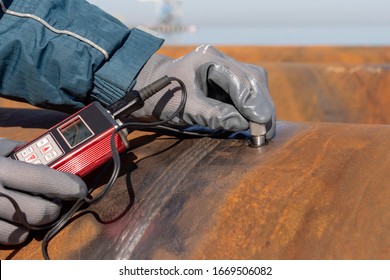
point(258, 132)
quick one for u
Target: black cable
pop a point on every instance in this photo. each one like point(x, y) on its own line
point(59, 226)
point(115, 173)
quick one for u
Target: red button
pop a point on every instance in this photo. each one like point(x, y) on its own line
point(46, 149)
point(31, 158)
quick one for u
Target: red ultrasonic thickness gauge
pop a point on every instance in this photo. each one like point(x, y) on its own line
point(77, 145)
point(82, 142)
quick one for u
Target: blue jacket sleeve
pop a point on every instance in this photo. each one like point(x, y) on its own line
point(63, 54)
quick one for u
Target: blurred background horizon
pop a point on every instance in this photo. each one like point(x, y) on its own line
point(258, 22)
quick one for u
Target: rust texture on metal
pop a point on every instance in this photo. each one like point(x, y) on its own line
point(318, 190)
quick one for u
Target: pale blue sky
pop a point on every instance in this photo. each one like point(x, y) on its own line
point(264, 12)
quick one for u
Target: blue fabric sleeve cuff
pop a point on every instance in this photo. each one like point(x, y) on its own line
point(118, 74)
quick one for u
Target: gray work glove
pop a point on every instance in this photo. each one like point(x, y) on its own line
point(222, 92)
point(33, 187)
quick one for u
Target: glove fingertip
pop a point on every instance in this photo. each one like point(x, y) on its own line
point(77, 188)
point(11, 234)
point(236, 124)
point(265, 116)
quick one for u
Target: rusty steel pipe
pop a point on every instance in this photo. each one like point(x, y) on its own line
point(318, 190)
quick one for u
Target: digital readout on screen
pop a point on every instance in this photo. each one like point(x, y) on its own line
point(75, 132)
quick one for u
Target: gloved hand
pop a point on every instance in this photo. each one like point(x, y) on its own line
point(33, 187)
point(222, 92)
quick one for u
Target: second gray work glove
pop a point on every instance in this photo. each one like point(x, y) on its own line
point(33, 188)
point(222, 92)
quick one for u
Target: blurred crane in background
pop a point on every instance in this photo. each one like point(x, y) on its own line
point(170, 14)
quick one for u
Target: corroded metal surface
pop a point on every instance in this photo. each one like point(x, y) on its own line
point(317, 191)
point(346, 93)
